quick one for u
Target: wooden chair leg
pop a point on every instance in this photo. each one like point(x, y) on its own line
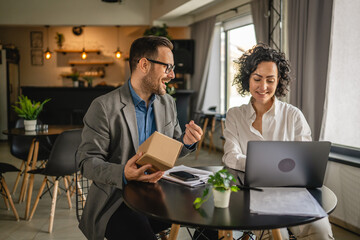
point(18, 177)
point(5, 198)
point(225, 234)
point(67, 192)
point(276, 234)
point(174, 231)
point(38, 198)
point(9, 198)
point(53, 206)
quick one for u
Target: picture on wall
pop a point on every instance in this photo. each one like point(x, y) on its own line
point(37, 57)
point(36, 39)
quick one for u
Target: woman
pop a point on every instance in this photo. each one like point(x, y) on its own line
point(264, 73)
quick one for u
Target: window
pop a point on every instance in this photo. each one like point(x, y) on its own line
point(341, 124)
point(237, 36)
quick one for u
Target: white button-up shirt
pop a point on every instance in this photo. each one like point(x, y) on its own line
point(282, 122)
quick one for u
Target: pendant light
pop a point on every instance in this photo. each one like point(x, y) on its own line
point(118, 53)
point(47, 52)
point(83, 54)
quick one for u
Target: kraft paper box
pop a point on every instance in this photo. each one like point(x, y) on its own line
point(160, 151)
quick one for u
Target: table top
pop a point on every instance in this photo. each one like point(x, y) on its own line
point(172, 202)
point(52, 130)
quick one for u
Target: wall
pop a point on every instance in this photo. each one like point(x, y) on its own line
point(103, 38)
point(69, 12)
point(344, 181)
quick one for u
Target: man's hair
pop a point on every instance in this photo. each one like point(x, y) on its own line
point(249, 61)
point(146, 47)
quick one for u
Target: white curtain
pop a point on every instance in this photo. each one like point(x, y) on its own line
point(309, 39)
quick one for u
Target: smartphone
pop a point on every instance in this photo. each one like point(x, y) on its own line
point(185, 176)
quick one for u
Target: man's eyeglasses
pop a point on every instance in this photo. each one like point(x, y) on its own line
point(169, 67)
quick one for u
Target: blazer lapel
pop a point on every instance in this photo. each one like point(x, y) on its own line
point(129, 114)
point(159, 110)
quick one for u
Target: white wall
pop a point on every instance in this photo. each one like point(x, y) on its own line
point(74, 12)
point(344, 181)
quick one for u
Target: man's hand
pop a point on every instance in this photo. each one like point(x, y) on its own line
point(133, 173)
point(193, 133)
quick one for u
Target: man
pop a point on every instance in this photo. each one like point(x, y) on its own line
point(114, 127)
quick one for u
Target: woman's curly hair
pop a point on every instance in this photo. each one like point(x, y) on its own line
point(249, 61)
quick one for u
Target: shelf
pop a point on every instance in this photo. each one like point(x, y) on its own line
point(65, 51)
point(67, 75)
point(84, 62)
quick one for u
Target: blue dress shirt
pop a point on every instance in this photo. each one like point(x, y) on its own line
point(145, 117)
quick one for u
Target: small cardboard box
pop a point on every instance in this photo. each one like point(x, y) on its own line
point(160, 151)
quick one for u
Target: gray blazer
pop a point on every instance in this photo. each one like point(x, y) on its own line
point(109, 140)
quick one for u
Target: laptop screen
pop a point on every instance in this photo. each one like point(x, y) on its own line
point(282, 164)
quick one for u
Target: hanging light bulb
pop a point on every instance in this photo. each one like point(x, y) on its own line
point(118, 53)
point(47, 52)
point(83, 54)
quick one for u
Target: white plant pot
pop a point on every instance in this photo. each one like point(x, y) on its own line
point(221, 199)
point(76, 83)
point(30, 125)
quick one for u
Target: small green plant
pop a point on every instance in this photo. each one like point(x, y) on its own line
point(74, 76)
point(221, 181)
point(60, 39)
point(157, 31)
point(29, 110)
point(89, 80)
point(170, 89)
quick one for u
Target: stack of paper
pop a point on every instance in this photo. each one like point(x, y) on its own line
point(202, 174)
point(285, 201)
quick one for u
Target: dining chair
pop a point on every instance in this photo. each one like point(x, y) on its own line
point(4, 191)
point(59, 165)
point(19, 148)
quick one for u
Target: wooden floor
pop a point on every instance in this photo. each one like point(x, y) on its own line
point(66, 224)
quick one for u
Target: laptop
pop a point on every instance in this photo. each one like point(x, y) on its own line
point(286, 164)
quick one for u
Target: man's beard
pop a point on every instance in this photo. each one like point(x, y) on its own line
point(152, 86)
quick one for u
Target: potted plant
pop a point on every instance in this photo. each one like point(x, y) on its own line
point(60, 39)
point(75, 78)
point(29, 110)
point(89, 80)
point(221, 188)
point(158, 31)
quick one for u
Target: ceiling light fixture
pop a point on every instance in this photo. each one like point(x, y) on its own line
point(83, 54)
point(47, 52)
point(118, 53)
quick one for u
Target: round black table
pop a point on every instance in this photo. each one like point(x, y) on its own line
point(33, 154)
point(172, 202)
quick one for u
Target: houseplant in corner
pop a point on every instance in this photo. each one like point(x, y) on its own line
point(29, 110)
point(221, 189)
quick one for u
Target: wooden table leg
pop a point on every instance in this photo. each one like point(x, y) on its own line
point(31, 183)
point(225, 234)
point(174, 231)
point(276, 234)
point(27, 168)
point(202, 138)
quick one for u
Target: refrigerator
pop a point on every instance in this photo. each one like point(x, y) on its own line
point(9, 88)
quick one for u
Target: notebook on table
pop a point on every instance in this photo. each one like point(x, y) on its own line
point(286, 164)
